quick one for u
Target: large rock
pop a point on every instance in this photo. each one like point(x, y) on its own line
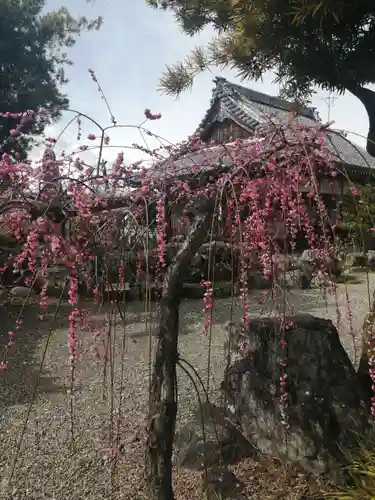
point(297, 278)
point(306, 266)
point(356, 260)
point(221, 437)
point(336, 266)
point(325, 402)
point(257, 280)
point(370, 259)
point(313, 261)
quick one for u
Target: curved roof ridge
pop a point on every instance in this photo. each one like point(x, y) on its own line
point(359, 154)
point(228, 93)
point(247, 107)
point(261, 97)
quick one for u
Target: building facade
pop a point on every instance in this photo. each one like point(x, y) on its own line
point(235, 111)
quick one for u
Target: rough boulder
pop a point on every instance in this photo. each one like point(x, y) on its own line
point(325, 402)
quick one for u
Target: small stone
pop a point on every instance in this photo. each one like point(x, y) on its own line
point(135, 437)
point(370, 257)
point(222, 438)
point(223, 483)
point(21, 291)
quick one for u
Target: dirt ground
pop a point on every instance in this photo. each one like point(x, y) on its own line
point(66, 454)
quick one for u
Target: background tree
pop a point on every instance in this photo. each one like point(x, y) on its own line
point(317, 43)
point(358, 215)
point(33, 53)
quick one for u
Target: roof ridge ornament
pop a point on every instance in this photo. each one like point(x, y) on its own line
point(316, 114)
point(219, 79)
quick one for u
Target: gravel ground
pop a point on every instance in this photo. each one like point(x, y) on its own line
point(47, 465)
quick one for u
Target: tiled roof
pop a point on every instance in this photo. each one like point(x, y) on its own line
point(249, 108)
point(348, 152)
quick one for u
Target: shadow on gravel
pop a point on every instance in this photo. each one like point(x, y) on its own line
point(18, 381)
point(261, 304)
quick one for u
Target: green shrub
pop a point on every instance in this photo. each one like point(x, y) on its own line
point(360, 473)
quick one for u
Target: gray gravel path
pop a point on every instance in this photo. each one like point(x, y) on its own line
point(46, 466)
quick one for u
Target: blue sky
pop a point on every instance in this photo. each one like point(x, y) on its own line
point(130, 52)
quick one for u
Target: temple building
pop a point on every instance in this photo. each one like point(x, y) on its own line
point(235, 111)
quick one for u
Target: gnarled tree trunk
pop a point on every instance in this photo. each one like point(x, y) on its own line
point(163, 401)
point(367, 98)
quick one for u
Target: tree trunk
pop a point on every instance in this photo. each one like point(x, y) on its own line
point(163, 401)
point(367, 97)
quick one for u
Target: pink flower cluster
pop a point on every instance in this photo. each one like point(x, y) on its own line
point(208, 304)
point(152, 116)
point(160, 230)
point(73, 336)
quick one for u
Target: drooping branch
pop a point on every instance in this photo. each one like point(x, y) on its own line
point(58, 211)
point(63, 209)
point(163, 401)
point(367, 336)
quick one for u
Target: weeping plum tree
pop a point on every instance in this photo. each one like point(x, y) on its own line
point(66, 213)
point(320, 43)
